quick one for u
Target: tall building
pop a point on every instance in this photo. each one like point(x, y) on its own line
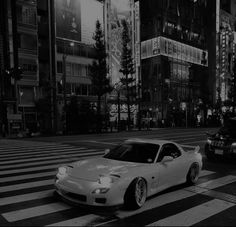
point(75, 25)
point(43, 37)
point(225, 47)
point(174, 60)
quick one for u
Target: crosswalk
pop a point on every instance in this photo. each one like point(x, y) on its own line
point(27, 171)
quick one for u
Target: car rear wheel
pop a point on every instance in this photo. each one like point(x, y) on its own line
point(193, 174)
point(136, 194)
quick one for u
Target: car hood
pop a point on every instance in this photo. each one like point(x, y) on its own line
point(92, 169)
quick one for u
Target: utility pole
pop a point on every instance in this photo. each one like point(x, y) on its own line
point(64, 91)
point(52, 35)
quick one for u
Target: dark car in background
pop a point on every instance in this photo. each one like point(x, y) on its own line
point(223, 142)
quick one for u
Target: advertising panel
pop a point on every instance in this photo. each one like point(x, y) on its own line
point(137, 34)
point(68, 19)
point(174, 49)
point(76, 19)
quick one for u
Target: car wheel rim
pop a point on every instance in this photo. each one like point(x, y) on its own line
point(194, 174)
point(140, 192)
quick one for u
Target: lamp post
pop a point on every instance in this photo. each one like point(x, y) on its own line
point(64, 57)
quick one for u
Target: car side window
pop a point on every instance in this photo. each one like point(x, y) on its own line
point(175, 152)
point(168, 150)
point(165, 151)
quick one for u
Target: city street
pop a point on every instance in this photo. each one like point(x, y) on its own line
point(28, 167)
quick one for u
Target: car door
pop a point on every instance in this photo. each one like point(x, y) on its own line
point(169, 171)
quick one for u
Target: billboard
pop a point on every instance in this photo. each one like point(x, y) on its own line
point(68, 19)
point(173, 49)
point(76, 19)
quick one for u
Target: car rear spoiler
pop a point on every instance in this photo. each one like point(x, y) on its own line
point(192, 149)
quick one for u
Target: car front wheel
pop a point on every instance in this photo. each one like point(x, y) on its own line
point(136, 194)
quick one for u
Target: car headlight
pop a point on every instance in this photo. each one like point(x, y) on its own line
point(106, 181)
point(100, 190)
point(233, 145)
point(62, 172)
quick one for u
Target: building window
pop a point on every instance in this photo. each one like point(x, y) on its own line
point(28, 41)
point(26, 15)
point(28, 65)
point(68, 68)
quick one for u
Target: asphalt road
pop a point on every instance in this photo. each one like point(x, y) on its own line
point(27, 170)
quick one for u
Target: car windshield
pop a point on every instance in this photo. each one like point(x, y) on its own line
point(134, 152)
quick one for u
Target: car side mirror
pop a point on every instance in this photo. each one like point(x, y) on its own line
point(107, 151)
point(167, 159)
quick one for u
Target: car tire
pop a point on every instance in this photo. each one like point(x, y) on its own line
point(209, 154)
point(136, 194)
point(193, 174)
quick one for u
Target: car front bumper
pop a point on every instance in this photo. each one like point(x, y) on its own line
point(82, 192)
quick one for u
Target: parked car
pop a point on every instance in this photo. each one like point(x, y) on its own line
point(223, 142)
point(129, 173)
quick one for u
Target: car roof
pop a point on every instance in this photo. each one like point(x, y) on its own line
point(152, 141)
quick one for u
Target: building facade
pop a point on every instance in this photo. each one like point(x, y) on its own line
point(75, 25)
point(174, 61)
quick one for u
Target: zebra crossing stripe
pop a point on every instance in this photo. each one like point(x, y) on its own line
point(195, 214)
point(211, 184)
point(35, 211)
point(36, 151)
point(28, 146)
point(58, 156)
point(26, 185)
point(26, 197)
point(39, 154)
point(204, 173)
point(27, 176)
point(49, 162)
point(45, 167)
point(85, 220)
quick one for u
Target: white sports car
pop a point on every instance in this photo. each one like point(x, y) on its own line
point(129, 173)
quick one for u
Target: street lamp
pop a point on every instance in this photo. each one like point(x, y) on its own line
point(64, 56)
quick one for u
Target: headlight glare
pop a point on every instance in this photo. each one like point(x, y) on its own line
point(62, 170)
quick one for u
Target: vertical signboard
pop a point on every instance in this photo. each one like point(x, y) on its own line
point(137, 33)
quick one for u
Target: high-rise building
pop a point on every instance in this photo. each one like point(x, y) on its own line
point(174, 60)
point(75, 25)
point(225, 36)
point(42, 37)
